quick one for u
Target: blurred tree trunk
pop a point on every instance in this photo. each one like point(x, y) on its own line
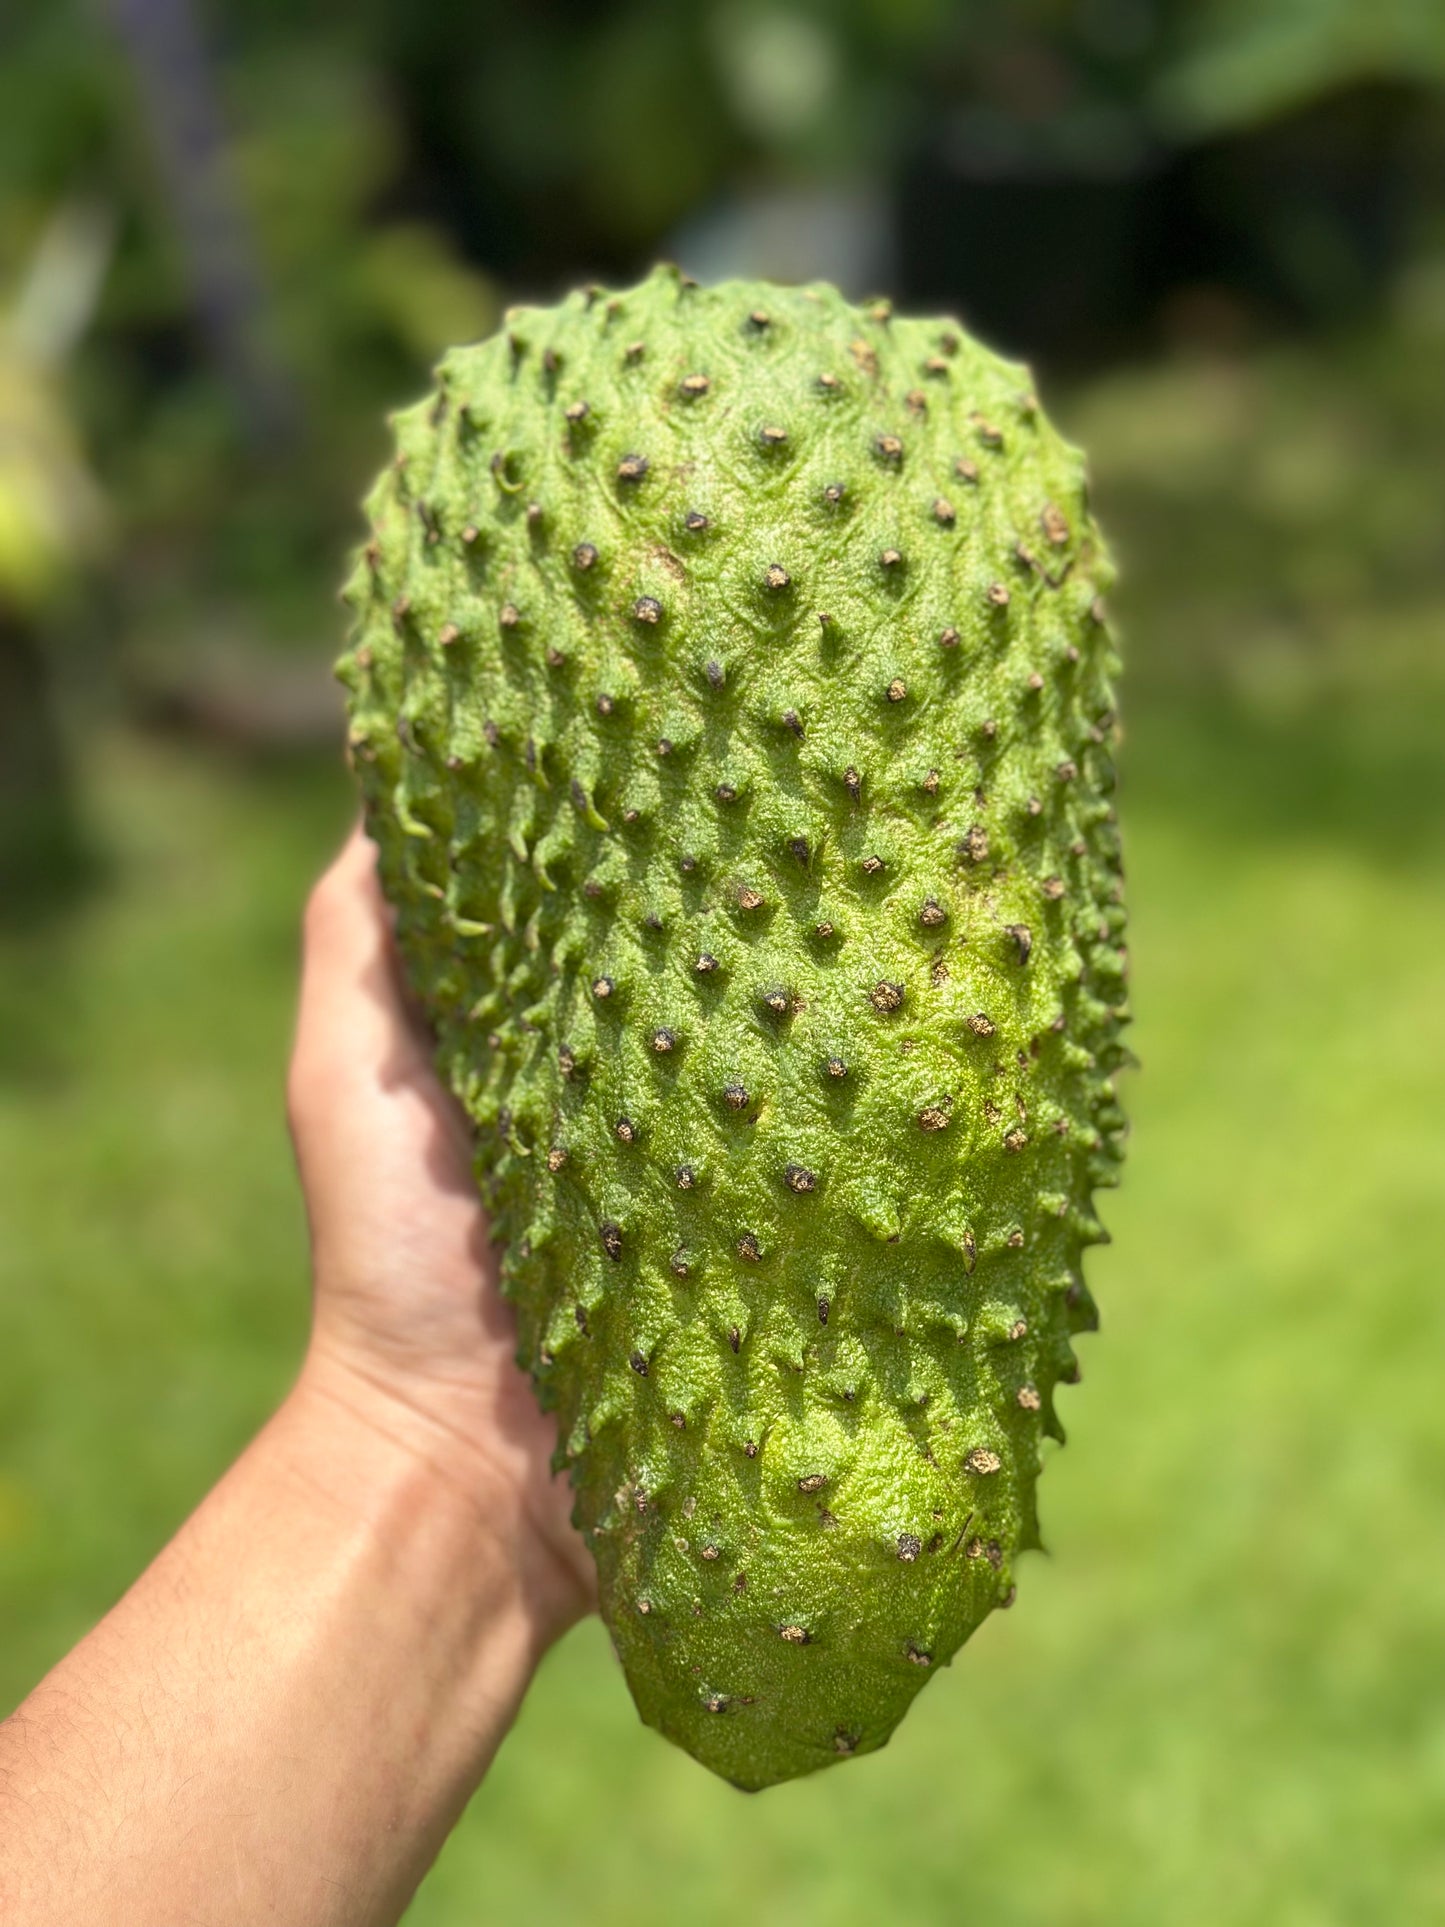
point(183, 114)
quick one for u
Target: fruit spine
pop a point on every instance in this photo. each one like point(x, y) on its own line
point(730, 696)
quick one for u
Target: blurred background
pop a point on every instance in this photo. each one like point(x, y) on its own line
point(234, 232)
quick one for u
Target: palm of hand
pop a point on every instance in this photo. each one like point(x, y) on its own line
point(407, 1301)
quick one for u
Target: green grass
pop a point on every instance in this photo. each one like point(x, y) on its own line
point(1221, 1698)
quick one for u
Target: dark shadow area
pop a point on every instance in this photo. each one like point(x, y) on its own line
point(47, 862)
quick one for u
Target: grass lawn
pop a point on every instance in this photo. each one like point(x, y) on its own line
point(1221, 1699)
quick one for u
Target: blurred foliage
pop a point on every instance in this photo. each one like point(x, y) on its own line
point(1244, 61)
point(389, 167)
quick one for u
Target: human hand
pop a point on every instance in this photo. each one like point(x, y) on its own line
point(409, 1329)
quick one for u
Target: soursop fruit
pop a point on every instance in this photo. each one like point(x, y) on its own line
point(730, 693)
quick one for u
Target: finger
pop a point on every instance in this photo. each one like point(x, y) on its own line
point(353, 1015)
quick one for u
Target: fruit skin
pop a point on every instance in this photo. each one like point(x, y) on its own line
point(730, 696)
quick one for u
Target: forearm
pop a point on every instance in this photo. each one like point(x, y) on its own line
point(283, 1717)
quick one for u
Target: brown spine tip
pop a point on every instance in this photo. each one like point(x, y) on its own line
point(998, 595)
point(829, 383)
point(602, 987)
point(647, 609)
point(556, 1158)
point(638, 1364)
point(1015, 1140)
point(835, 1067)
point(611, 1236)
point(886, 996)
point(450, 633)
point(626, 1130)
point(944, 513)
point(834, 493)
point(909, 1547)
point(509, 615)
point(735, 1096)
point(871, 865)
point(795, 1635)
point(812, 1481)
point(933, 1117)
point(772, 435)
point(792, 722)
point(1029, 1399)
point(686, 1177)
point(577, 411)
point(948, 639)
point(760, 319)
point(980, 1025)
point(982, 1461)
point(605, 704)
point(889, 449)
point(1055, 525)
point(680, 1265)
point(632, 468)
point(932, 914)
point(1053, 888)
point(664, 1040)
point(799, 1178)
point(633, 352)
point(705, 963)
point(775, 576)
point(1023, 937)
point(749, 898)
point(965, 470)
point(897, 690)
point(694, 385)
point(853, 782)
point(584, 556)
point(973, 844)
point(695, 522)
point(749, 1248)
point(890, 559)
point(1067, 771)
point(715, 673)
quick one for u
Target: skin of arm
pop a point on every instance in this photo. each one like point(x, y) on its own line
point(285, 1715)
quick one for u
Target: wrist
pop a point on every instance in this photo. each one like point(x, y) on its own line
point(398, 1453)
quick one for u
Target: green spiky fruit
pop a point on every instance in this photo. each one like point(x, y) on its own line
point(730, 695)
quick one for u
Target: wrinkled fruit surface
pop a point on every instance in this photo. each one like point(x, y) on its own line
point(730, 694)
